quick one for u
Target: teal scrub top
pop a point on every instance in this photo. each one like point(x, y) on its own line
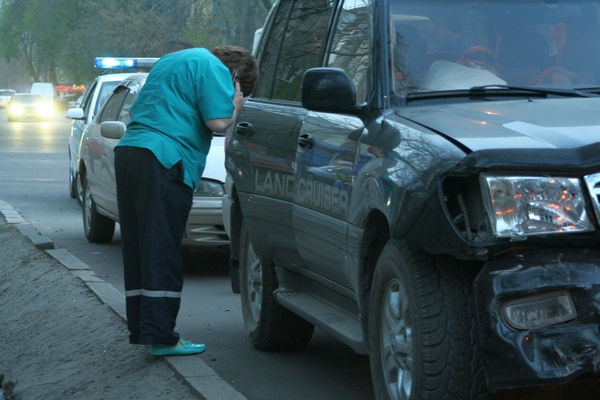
point(182, 90)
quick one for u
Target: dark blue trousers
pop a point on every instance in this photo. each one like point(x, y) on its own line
point(154, 205)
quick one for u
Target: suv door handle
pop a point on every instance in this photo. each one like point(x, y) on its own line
point(244, 129)
point(306, 141)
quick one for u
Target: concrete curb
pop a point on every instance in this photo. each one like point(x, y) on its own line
point(192, 370)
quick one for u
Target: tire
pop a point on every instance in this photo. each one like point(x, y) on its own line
point(269, 325)
point(72, 180)
point(79, 189)
point(97, 227)
point(422, 334)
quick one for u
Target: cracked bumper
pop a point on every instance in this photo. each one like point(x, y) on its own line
point(551, 354)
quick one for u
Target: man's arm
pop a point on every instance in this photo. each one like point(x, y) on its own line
point(221, 124)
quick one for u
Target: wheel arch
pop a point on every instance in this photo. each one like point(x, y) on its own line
point(235, 229)
point(376, 235)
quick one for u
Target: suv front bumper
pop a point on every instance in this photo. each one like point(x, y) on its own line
point(550, 354)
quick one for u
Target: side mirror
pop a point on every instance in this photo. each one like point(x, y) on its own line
point(112, 129)
point(75, 113)
point(329, 90)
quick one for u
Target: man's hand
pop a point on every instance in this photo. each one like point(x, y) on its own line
point(221, 124)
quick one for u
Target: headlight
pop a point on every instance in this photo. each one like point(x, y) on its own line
point(535, 205)
point(45, 109)
point(16, 109)
point(208, 188)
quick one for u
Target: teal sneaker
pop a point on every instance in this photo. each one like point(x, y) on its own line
point(182, 348)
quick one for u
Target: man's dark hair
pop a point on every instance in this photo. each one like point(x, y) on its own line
point(240, 59)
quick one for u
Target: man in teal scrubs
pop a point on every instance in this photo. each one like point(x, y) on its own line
point(188, 95)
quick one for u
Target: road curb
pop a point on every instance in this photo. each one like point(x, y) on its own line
point(192, 370)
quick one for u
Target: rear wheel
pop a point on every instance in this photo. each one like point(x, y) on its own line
point(269, 325)
point(97, 227)
point(422, 329)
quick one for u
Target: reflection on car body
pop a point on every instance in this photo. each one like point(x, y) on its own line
point(97, 176)
point(431, 200)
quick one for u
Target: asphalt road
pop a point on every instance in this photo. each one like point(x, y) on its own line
point(33, 179)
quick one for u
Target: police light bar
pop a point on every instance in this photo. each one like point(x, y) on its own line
point(119, 62)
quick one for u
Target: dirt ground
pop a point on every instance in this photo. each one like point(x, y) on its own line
point(59, 341)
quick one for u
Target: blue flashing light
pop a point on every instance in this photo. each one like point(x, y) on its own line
point(119, 62)
point(109, 62)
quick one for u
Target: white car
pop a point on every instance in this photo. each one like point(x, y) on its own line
point(97, 175)
point(81, 116)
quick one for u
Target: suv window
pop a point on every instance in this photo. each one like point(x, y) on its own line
point(350, 48)
point(296, 35)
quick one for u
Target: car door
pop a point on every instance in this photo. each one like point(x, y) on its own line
point(327, 159)
point(116, 109)
point(79, 125)
point(270, 122)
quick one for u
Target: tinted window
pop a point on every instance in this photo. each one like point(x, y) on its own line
point(269, 52)
point(112, 108)
point(297, 36)
point(104, 92)
point(350, 47)
point(132, 93)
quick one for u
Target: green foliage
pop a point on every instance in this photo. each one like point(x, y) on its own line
point(57, 40)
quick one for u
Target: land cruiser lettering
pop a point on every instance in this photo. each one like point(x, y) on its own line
point(274, 183)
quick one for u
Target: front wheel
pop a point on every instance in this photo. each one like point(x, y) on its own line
point(72, 179)
point(269, 325)
point(97, 227)
point(422, 328)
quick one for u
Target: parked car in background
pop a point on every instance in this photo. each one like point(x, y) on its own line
point(5, 96)
point(96, 173)
point(434, 208)
point(87, 106)
point(75, 103)
point(81, 116)
point(26, 106)
point(44, 89)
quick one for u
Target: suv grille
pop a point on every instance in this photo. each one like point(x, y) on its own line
point(593, 183)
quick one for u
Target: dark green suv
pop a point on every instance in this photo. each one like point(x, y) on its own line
point(421, 180)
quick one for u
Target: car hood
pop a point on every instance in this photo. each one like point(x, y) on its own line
point(529, 123)
point(215, 160)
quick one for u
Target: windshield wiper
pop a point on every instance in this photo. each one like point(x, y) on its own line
point(478, 92)
point(475, 90)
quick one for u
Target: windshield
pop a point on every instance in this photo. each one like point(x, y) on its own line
point(443, 45)
point(27, 99)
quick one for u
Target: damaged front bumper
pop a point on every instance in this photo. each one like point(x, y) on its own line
point(539, 317)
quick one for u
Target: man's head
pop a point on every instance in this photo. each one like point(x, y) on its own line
point(240, 60)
